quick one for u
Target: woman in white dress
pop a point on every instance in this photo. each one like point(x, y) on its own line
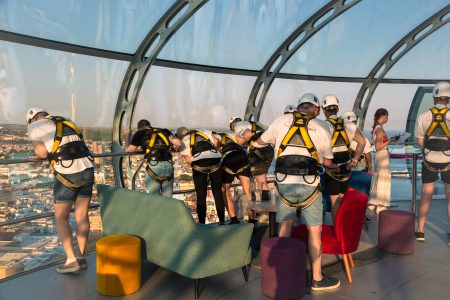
point(380, 190)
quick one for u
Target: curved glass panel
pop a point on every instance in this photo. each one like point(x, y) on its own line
point(429, 59)
point(286, 91)
point(174, 97)
point(80, 87)
point(118, 25)
point(237, 34)
point(355, 41)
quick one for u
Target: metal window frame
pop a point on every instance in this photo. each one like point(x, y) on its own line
point(137, 71)
point(285, 51)
point(403, 46)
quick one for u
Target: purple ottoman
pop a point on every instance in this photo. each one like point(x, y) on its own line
point(396, 231)
point(283, 268)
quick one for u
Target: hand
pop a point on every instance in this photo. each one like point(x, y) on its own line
point(351, 164)
point(334, 168)
point(370, 171)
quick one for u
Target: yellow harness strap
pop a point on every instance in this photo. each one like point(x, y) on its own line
point(339, 131)
point(195, 134)
point(300, 126)
point(60, 122)
point(439, 119)
point(156, 133)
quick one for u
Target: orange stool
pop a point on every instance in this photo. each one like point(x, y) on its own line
point(118, 265)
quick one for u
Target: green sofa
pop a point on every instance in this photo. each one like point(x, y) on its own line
point(173, 240)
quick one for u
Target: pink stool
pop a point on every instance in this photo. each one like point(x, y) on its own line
point(283, 272)
point(396, 231)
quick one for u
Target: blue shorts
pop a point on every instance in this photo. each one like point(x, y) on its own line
point(312, 215)
point(62, 194)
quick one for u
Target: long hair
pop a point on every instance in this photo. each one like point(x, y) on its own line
point(378, 114)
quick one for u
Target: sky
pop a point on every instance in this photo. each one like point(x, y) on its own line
point(233, 33)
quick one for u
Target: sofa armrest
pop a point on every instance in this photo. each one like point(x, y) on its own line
point(216, 249)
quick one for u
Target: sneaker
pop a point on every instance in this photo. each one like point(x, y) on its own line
point(68, 268)
point(327, 283)
point(420, 236)
point(234, 221)
point(82, 262)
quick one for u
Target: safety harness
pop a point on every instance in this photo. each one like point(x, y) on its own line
point(437, 138)
point(157, 149)
point(199, 142)
point(298, 165)
point(259, 158)
point(234, 158)
point(341, 158)
point(69, 151)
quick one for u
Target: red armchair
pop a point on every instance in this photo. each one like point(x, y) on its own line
point(343, 237)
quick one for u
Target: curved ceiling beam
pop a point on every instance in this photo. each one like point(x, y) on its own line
point(391, 57)
point(143, 59)
point(279, 58)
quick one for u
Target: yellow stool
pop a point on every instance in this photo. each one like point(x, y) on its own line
point(118, 265)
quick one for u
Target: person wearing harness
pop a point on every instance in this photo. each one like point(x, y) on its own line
point(61, 142)
point(336, 184)
point(433, 137)
point(235, 164)
point(199, 148)
point(156, 144)
point(289, 109)
point(302, 145)
point(365, 160)
point(260, 157)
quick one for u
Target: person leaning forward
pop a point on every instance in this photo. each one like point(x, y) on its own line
point(433, 137)
point(61, 142)
point(156, 144)
point(302, 144)
point(199, 148)
point(342, 133)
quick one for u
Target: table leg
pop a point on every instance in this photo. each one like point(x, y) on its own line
point(273, 230)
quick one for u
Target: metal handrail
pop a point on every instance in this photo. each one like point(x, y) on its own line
point(37, 159)
point(96, 205)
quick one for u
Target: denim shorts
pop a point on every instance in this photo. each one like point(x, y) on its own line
point(62, 194)
point(312, 215)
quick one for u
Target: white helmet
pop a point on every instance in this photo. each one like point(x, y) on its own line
point(330, 100)
point(289, 109)
point(309, 98)
point(441, 89)
point(32, 112)
point(233, 120)
point(349, 116)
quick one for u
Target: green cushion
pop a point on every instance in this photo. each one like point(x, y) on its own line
point(171, 237)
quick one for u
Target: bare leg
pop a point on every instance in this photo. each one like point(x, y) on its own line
point(315, 251)
point(286, 228)
point(62, 213)
point(246, 184)
point(261, 182)
point(82, 221)
point(447, 195)
point(424, 207)
point(335, 201)
point(230, 205)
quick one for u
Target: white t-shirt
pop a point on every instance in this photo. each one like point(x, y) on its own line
point(423, 122)
point(319, 135)
point(349, 128)
point(186, 147)
point(44, 131)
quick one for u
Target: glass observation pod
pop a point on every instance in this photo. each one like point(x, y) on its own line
point(196, 63)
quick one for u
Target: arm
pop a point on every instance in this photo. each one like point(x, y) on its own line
point(131, 148)
point(40, 150)
point(361, 142)
point(176, 142)
point(187, 158)
point(368, 158)
point(420, 142)
point(379, 144)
